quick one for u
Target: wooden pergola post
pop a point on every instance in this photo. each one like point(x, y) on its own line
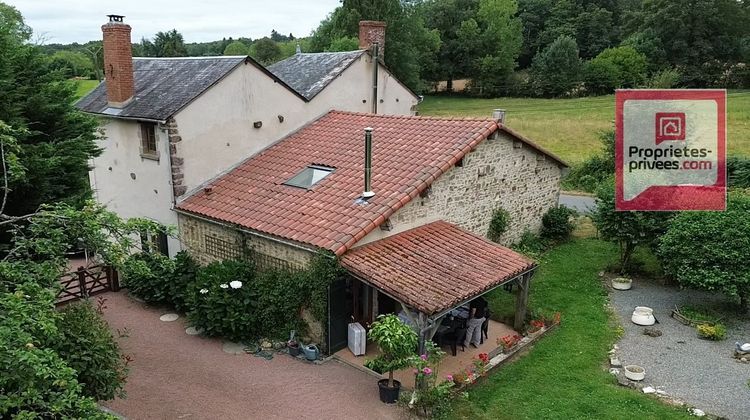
point(522, 301)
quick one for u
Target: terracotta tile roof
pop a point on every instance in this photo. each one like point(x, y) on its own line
point(436, 266)
point(409, 153)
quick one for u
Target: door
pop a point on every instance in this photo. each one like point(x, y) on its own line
point(339, 313)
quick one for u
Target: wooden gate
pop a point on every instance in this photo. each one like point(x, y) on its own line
point(86, 282)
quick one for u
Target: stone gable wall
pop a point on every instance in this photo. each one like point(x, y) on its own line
point(500, 172)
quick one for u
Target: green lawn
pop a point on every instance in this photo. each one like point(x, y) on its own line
point(569, 127)
point(84, 86)
point(564, 376)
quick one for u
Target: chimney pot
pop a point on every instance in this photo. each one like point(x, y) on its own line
point(498, 115)
point(118, 61)
point(371, 32)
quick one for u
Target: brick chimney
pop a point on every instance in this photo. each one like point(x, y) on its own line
point(118, 61)
point(370, 32)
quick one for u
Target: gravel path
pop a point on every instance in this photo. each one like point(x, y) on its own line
point(702, 373)
point(174, 376)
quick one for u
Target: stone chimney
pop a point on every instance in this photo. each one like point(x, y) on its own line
point(370, 32)
point(118, 61)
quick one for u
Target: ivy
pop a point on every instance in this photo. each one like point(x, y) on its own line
point(498, 224)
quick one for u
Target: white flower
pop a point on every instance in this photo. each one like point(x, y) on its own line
point(204, 291)
point(224, 286)
point(236, 284)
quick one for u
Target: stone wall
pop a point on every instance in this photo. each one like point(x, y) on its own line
point(208, 242)
point(500, 172)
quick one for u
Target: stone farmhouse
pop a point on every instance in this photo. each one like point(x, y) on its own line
point(404, 201)
point(171, 124)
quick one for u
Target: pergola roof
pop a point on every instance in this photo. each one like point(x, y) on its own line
point(435, 267)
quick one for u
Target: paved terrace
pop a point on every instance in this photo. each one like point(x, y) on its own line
point(174, 375)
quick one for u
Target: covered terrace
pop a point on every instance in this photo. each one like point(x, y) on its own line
point(433, 272)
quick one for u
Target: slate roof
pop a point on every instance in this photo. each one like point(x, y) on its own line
point(409, 153)
point(436, 266)
point(163, 86)
point(310, 73)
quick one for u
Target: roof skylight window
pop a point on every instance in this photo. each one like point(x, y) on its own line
point(309, 176)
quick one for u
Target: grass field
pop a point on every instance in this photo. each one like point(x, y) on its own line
point(564, 375)
point(84, 86)
point(570, 127)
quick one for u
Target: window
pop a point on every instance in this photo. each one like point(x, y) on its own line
point(148, 140)
point(309, 176)
point(154, 241)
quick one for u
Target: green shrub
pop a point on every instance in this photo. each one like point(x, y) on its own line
point(530, 244)
point(182, 280)
point(596, 169)
point(620, 67)
point(738, 172)
point(148, 275)
point(498, 225)
point(86, 344)
point(556, 223)
point(35, 381)
point(707, 249)
point(664, 79)
point(715, 332)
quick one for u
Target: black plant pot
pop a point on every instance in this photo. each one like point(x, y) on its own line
point(389, 395)
point(294, 351)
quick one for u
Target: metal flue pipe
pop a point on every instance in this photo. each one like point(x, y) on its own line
point(375, 65)
point(368, 164)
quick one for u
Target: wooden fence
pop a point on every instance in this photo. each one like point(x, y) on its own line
point(86, 282)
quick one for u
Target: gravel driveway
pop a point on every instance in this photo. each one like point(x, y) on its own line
point(702, 373)
point(177, 376)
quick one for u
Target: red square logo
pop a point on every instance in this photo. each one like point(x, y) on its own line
point(670, 126)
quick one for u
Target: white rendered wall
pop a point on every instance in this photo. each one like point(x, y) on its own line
point(130, 185)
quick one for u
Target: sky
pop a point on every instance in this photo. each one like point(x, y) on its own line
point(66, 21)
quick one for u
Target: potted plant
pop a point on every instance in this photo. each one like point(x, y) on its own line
point(535, 327)
point(397, 343)
point(293, 345)
point(508, 342)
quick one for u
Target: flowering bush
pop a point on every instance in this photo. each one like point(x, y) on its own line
point(233, 300)
point(219, 310)
point(430, 396)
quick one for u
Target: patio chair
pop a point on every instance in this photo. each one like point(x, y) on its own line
point(485, 326)
point(454, 338)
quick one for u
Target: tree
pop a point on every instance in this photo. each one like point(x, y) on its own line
point(480, 39)
point(410, 46)
point(695, 32)
point(502, 42)
point(621, 67)
point(345, 43)
point(628, 229)
point(236, 48)
point(52, 140)
point(168, 44)
point(72, 64)
point(266, 51)
point(707, 250)
point(556, 70)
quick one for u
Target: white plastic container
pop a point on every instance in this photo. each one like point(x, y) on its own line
point(643, 315)
point(357, 339)
point(635, 372)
